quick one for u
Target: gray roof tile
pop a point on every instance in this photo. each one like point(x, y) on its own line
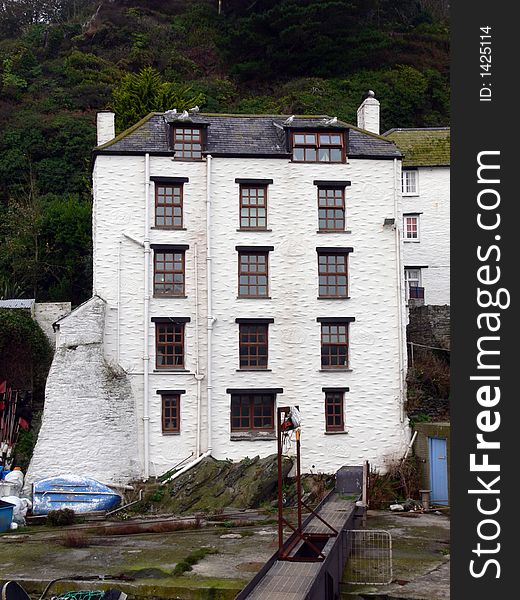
point(244, 135)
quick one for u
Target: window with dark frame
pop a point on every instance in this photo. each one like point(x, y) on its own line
point(252, 412)
point(334, 345)
point(253, 206)
point(334, 411)
point(253, 345)
point(318, 147)
point(168, 206)
point(252, 274)
point(169, 272)
point(187, 143)
point(331, 208)
point(171, 404)
point(332, 275)
point(169, 345)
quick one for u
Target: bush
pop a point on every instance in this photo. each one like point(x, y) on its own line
point(61, 517)
point(400, 481)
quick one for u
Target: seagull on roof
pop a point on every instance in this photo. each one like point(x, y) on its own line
point(171, 113)
point(184, 115)
point(195, 109)
point(289, 120)
point(332, 121)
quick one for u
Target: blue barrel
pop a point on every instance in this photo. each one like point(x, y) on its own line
point(6, 515)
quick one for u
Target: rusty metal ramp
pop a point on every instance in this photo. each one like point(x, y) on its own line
point(304, 575)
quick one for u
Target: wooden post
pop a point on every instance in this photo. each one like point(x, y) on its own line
point(364, 496)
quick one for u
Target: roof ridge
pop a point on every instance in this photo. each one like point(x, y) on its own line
point(395, 129)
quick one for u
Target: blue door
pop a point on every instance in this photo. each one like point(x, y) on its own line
point(438, 470)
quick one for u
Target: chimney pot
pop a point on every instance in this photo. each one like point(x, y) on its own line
point(106, 129)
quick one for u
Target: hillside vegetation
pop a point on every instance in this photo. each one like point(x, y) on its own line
point(62, 60)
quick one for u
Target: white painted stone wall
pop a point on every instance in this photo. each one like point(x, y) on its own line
point(89, 425)
point(47, 313)
point(433, 247)
point(119, 211)
point(373, 404)
point(372, 413)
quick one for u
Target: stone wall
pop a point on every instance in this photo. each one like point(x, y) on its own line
point(88, 426)
point(430, 325)
point(374, 425)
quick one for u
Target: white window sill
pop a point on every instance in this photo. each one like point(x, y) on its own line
point(170, 371)
point(339, 370)
point(335, 433)
point(411, 195)
point(249, 436)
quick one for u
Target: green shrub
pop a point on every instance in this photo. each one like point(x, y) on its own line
point(61, 517)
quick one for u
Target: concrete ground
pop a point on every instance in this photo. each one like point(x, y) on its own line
point(421, 558)
point(139, 564)
point(142, 564)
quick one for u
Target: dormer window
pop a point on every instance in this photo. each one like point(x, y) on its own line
point(318, 147)
point(187, 143)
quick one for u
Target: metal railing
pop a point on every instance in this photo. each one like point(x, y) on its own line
point(370, 558)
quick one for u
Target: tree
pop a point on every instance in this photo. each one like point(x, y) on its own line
point(141, 93)
point(45, 247)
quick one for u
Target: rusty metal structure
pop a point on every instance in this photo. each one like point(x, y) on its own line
point(309, 544)
point(309, 564)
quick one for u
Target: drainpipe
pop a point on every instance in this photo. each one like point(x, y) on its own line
point(146, 319)
point(399, 294)
point(187, 467)
point(209, 275)
point(209, 330)
point(119, 302)
point(198, 376)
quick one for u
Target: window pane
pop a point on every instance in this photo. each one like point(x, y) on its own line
point(298, 154)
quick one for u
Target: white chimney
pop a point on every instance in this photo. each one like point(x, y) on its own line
point(368, 114)
point(106, 128)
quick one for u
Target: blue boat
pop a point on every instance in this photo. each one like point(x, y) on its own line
point(81, 494)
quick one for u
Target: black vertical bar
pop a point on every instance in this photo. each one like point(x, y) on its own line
point(280, 481)
point(485, 130)
point(298, 479)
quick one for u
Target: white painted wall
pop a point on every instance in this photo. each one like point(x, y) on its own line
point(372, 412)
point(433, 247)
point(119, 209)
point(47, 313)
point(373, 404)
point(88, 425)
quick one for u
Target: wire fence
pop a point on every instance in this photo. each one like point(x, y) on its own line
point(370, 557)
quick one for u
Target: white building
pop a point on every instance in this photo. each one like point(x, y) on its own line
point(426, 212)
point(250, 262)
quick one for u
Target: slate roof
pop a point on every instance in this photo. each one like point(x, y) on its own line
point(243, 135)
point(423, 147)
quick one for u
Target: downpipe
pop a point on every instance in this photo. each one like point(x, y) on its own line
point(146, 321)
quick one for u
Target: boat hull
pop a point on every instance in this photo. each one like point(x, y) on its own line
point(81, 494)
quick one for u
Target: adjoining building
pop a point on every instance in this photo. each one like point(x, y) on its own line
point(240, 262)
point(426, 212)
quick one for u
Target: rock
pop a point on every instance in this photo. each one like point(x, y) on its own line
point(396, 507)
point(231, 536)
point(213, 485)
